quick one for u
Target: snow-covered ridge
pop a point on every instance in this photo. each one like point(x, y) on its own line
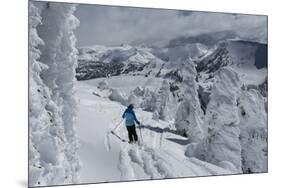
point(100, 61)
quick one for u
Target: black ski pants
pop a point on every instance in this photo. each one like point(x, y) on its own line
point(132, 133)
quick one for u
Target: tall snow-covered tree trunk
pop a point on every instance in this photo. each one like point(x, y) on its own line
point(46, 142)
point(189, 115)
point(39, 119)
point(60, 56)
point(67, 57)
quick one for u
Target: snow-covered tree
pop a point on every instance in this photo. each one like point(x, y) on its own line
point(222, 142)
point(155, 115)
point(189, 115)
point(58, 145)
point(253, 126)
point(118, 97)
point(39, 119)
point(133, 99)
point(103, 85)
point(138, 91)
point(148, 100)
point(162, 100)
point(67, 57)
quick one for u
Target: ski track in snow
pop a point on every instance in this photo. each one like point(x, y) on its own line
point(106, 158)
point(152, 164)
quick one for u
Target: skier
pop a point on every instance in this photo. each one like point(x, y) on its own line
point(130, 119)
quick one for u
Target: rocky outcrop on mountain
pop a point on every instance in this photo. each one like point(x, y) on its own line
point(90, 70)
point(236, 53)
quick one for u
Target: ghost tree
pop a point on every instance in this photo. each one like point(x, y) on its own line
point(148, 100)
point(103, 85)
point(189, 115)
point(58, 148)
point(39, 97)
point(133, 99)
point(221, 145)
point(162, 102)
point(253, 131)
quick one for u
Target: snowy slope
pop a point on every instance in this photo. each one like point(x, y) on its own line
point(203, 93)
point(106, 158)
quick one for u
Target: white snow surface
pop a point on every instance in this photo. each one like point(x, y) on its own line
point(105, 158)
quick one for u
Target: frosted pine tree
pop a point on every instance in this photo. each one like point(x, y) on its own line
point(149, 100)
point(189, 115)
point(103, 85)
point(253, 126)
point(162, 101)
point(39, 120)
point(133, 99)
point(67, 57)
point(221, 146)
point(45, 155)
point(60, 55)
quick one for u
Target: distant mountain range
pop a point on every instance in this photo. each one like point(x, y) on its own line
point(208, 52)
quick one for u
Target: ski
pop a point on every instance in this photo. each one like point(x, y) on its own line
point(117, 136)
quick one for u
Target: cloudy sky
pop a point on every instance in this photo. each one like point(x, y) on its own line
point(109, 25)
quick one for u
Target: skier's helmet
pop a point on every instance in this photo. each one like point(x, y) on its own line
point(131, 106)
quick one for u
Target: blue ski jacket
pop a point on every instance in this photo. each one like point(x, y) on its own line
point(130, 117)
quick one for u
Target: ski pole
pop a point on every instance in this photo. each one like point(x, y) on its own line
point(117, 125)
point(140, 133)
